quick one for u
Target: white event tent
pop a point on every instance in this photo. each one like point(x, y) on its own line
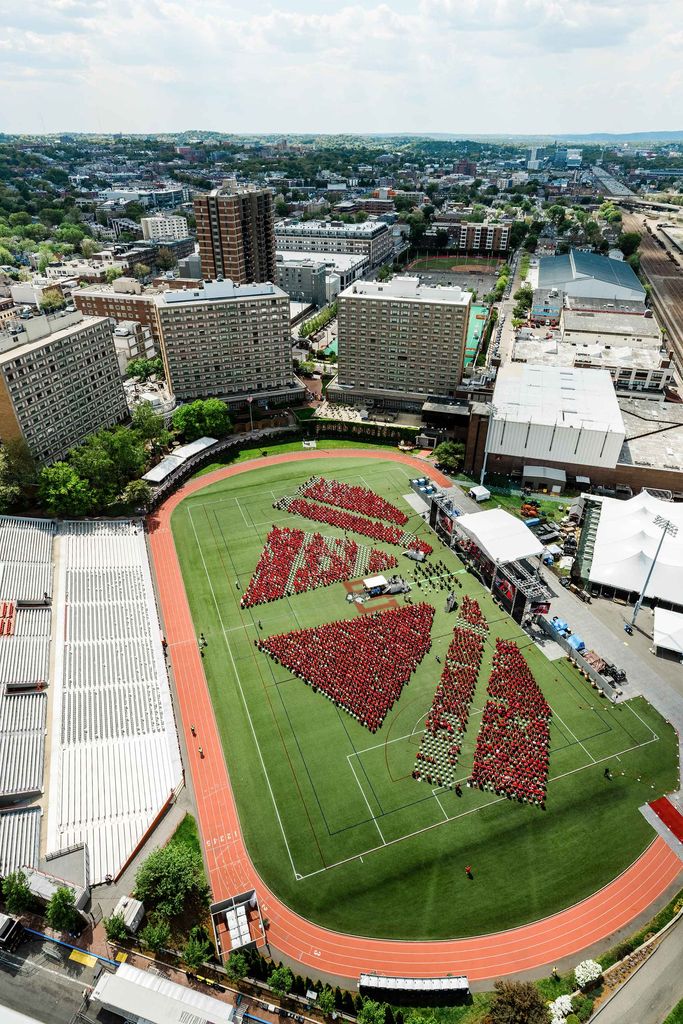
point(669, 630)
point(626, 542)
point(501, 536)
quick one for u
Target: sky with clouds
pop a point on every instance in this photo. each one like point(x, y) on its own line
point(460, 66)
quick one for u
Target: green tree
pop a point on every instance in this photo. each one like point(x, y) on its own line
point(517, 1002)
point(628, 242)
point(325, 1002)
point(236, 967)
point(20, 466)
point(142, 270)
point(450, 455)
point(52, 300)
point(137, 495)
point(281, 208)
point(207, 417)
point(88, 247)
point(112, 273)
point(115, 928)
point(280, 980)
point(371, 1012)
point(61, 911)
point(149, 426)
point(6, 257)
point(197, 949)
point(170, 878)
point(143, 369)
point(63, 492)
point(156, 935)
point(16, 893)
point(108, 460)
point(69, 233)
point(166, 259)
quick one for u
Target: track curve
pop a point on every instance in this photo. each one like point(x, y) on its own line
point(230, 868)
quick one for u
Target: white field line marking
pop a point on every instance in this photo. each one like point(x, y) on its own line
point(248, 524)
point(436, 797)
point(246, 708)
point(555, 715)
point(348, 758)
point(648, 727)
point(472, 810)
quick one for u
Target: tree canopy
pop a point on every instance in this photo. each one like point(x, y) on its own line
point(63, 492)
point(61, 911)
point(281, 980)
point(156, 934)
point(16, 893)
point(170, 878)
point(450, 454)
point(517, 1002)
point(143, 369)
point(207, 417)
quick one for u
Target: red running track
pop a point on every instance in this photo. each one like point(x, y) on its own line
point(230, 869)
point(670, 815)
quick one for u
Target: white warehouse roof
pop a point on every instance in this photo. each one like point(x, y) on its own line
point(501, 536)
point(626, 542)
point(141, 995)
point(556, 414)
point(669, 630)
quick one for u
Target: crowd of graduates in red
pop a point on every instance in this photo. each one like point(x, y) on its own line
point(293, 562)
point(360, 664)
point(471, 613)
point(355, 523)
point(356, 499)
point(446, 722)
point(513, 745)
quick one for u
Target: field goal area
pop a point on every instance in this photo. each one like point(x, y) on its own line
point(334, 792)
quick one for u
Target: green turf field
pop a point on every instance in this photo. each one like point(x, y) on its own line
point(332, 818)
point(446, 263)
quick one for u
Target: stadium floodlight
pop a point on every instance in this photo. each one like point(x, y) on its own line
point(668, 529)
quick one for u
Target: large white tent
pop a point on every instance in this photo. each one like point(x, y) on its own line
point(669, 630)
point(626, 543)
point(501, 536)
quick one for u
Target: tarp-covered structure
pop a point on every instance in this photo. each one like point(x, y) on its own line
point(669, 630)
point(501, 536)
point(626, 542)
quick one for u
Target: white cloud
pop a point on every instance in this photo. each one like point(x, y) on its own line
point(432, 65)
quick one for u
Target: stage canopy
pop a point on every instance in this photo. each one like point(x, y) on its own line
point(626, 542)
point(501, 536)
point(669, 630)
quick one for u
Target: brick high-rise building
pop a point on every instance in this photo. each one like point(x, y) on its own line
point(235, 231)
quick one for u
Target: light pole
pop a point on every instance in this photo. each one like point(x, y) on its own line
point(669, 528)
point(251, 416)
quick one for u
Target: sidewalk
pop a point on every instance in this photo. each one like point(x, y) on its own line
point(655, 988)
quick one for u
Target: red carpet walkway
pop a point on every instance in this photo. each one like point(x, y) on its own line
point(231, 871)
point(670, 815)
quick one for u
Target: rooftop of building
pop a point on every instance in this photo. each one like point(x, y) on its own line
point(556, 395)
point(654, 434)
point(623, 324)
point(408, 289)
point(368, 229)
point(632, 307)
point(573, 266)
point(31, 335)
point(344, 261)
point(218, 291)
point(552, 352)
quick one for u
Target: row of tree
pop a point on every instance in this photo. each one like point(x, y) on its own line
point(102, 475)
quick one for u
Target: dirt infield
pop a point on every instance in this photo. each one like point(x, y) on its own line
point(231, 870)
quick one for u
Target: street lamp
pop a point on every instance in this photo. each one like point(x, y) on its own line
point(667, 528)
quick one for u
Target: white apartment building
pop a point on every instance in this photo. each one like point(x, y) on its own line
point(227, 341)
point(399, 342)
point(164, 229)
point(371, 239)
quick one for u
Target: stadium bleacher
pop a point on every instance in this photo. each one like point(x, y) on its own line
point(19, 838)
point(115, 759)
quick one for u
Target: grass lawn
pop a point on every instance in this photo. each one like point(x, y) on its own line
point(446, 263)
point(676, 1015)
point(287, 446)
point(187, 834)
point(331, 815)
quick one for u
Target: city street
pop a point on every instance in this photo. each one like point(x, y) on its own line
point(41, 980)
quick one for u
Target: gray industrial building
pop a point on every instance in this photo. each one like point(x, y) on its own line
point(303, 280)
